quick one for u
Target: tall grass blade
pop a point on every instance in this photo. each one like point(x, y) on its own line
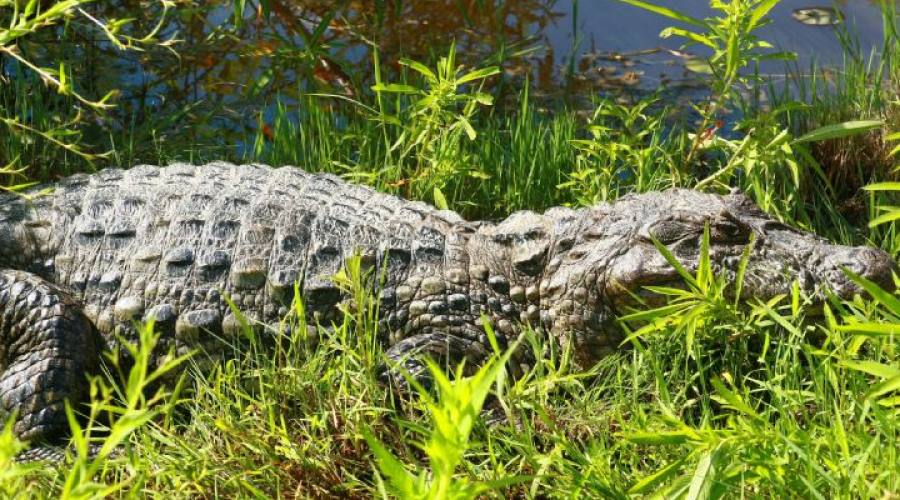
point(666, 12)
point(839, 130)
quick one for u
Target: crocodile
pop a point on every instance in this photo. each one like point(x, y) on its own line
point(85, 261)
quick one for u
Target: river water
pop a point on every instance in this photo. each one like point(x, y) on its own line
point(226, 79)
point(809, 30)
point(607, 46)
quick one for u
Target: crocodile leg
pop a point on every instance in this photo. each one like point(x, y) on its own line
point(407, 357)
point(47, 348)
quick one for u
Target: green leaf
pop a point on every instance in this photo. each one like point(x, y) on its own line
point(704, 475)
point(889, 385)
point(885, 218)
point(439, 200)
point(873, 368)
point(651, 314)
point(29, 8)
point(402, 480)
point(396, 88)
point(393, 120)
point(421, 68)
point(63, 79)
point(883, 186)
point(698, 65)
point(470, 131)
point(886, 299)
point(742, 267)
point(243, 323)
point(321, 27)
point(839, 130)
point(664, 11)
point(780, 320)
point(485, 99)
point(79, 440)
point(673, 261)
point(734, 400)
point(238, 7)
point(653, 481)
point(479, 74)
point(890, 402)
point(704, 268)
point(760, 12)
point(690, 35)
point(732, 55)
point(661, 437)
point(871, 329)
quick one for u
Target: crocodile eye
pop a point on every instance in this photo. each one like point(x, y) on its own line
point(671, 231)
point(729, 232)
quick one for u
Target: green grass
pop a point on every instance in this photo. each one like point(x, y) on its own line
point(760, 403)
point(707, 399)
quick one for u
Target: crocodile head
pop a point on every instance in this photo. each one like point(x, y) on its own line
point(605, 255)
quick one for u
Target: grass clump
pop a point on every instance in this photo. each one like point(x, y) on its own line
point(762, 401)
point(43, 109)
point(453, 414)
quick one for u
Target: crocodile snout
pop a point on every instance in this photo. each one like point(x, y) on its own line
point(872, 264)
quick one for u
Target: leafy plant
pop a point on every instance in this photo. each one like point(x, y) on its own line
point(453, 414)
point(744, 444)
point(702, 301)
point(627, 150)
point(26, 19)
point(433, 125)
point(730, 38)
point(13, 474)
point(886, 392)
point(772, 164)
point(768, 159)
point(115, 412)
point(889, 213)
point(102, 430)
point(747, 451)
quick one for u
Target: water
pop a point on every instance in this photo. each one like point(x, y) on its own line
point(568, 38)
point(226, 81)
point(611, 28)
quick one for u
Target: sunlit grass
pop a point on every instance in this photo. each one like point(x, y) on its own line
point(761, 401)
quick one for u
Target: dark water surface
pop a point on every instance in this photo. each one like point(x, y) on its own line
point(226, 79)
point(609, 28)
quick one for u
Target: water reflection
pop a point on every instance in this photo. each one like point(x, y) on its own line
point(229, 69)
point(628, 38)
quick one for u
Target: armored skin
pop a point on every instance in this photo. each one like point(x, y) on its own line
point(99, 252)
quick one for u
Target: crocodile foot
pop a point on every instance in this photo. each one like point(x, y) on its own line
point(47, 348)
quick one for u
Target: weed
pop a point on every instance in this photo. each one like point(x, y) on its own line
point(433, 125)
point(61, 131)
point(734, 46)
point(454, 414)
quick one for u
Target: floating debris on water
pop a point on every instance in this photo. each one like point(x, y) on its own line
point(818, 16)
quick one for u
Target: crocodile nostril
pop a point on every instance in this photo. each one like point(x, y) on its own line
point(874, 265)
